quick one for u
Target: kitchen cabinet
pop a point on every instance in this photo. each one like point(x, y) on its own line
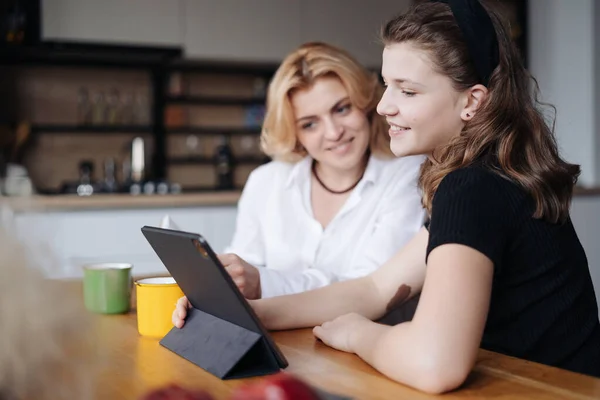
point(224, 30)
point(267, 30)
point(234, 30)
point(351, 24)
point(147, 22)
point(60, 242)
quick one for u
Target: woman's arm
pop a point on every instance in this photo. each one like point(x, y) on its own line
point(246, 253)
point(371, 296)
point(247, 240)
point(471, 225)
point(437, 349)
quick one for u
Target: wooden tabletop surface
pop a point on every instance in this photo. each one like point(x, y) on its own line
point(135, 365)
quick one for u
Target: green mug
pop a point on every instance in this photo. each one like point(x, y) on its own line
point(107, 287)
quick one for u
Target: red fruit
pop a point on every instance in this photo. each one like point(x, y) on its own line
point(281, 386)
point(175, 392)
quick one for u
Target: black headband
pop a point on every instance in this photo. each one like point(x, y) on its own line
point(479, 33)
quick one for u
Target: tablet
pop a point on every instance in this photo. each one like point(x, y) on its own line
point(203, 279)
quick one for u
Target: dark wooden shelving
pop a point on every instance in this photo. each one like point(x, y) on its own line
point(265, 70)
point(216, 130)
point(89, 129)
point(216, 100)
point(88, 55)
point(159, 63)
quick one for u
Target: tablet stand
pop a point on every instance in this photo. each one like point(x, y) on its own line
point(224, 349)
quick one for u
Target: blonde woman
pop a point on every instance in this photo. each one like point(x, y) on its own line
point(334, 204)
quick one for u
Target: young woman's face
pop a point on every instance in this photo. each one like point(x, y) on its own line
point(420, 105)
point(332, 130)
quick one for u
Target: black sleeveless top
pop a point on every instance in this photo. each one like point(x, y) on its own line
point(543, 306)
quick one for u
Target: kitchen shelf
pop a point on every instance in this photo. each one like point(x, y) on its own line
point(265, 70)
point(211, 161)
point(59, 128)
point(88, 55)
point(216, 100)
point(216, 130)
point(159, 63)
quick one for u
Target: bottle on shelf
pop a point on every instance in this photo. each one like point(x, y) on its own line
point(192, 145)
point(223, 159)
point(86, 184)
point(133, 166)
point(126, 110)
point(141, 109)
point(99, 109)
point(112, 107)
point(175, 114)
point(84, 107)
point(110, 181)
point(138, 165)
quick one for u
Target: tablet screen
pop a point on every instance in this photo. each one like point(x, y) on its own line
point(202, 278)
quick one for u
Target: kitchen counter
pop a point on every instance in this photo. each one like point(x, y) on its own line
point(119, 201)
point(125, 201)
point(586, 191)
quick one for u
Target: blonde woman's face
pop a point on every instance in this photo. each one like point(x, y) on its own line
point(420, 105)
point(332, 130)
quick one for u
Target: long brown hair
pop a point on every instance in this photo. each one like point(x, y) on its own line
point(508, 128)
point(300, 70)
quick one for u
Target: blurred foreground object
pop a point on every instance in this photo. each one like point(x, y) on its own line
point(175, 392)
point(45, 351)
point(280, 386)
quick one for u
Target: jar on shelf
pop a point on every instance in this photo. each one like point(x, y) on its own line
point(112, 107)
point(141, 109)
point(84, 107)
point(99, 109)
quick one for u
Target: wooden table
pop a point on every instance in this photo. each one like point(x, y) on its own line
point(136, 364)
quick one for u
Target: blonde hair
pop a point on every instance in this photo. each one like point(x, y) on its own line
point(300, 70)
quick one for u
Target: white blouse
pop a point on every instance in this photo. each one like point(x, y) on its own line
point(277, 233)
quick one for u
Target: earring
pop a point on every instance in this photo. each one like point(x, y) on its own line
point(468, 115)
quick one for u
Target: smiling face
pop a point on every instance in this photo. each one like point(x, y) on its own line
point(422, 107)
point(332, 130)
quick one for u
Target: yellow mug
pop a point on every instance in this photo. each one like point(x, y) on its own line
point(156, 298)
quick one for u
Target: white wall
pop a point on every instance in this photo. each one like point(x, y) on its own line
point(564, 56)
point(596, 47)
point(352, 24)
point(225, 30)
point(561, 57)
point(143, 22)
point(585, 213)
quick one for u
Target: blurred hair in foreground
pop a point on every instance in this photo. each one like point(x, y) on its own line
point(45, 348)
